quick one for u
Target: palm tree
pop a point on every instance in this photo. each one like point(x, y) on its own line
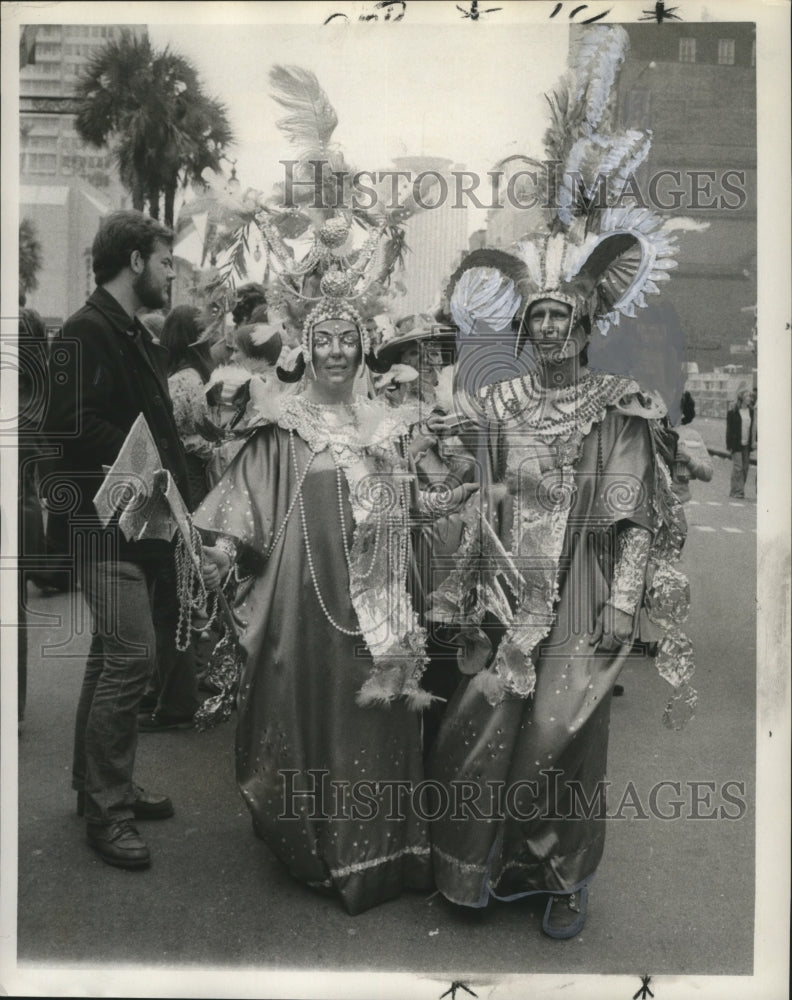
point(150, 107)
point(29, 257)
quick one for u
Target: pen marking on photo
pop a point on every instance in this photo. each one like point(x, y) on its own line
point(452, 990)
point(474, 13)
point(661, 13)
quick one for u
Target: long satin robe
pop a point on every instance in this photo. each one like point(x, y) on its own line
point(298, 714)
point(517, 841)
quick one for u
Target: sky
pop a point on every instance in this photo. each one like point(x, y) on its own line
point(398, 89)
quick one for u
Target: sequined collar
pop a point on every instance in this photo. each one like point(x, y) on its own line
point(555, 413)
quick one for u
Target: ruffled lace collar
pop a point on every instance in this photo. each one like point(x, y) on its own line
point(364, 423)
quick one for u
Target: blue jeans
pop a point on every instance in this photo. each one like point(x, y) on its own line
point(120, 661)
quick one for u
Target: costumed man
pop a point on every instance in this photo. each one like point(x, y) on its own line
point(579, 496)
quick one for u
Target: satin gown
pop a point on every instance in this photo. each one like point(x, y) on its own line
point(301, 728)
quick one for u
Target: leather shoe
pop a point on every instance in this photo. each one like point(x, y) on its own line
point(145, 806)
point(119, 844)
point(150, 806)
point(158, 723)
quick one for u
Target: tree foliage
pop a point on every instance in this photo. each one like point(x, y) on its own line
point(30, 259)
point(149, 106)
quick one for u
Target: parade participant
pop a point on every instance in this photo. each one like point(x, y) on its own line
point(417, 342)
point(440, 461)
point(580, 498)
point(316, 509)
point(121, 373)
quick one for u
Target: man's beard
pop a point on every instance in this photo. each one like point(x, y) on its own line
point(149, 296)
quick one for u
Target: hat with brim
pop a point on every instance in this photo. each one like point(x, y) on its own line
point(418, 327)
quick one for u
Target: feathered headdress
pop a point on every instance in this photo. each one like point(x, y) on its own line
point(589, 251)
point(347, 268)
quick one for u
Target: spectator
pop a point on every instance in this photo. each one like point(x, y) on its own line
point(153, 322)
point(740, 439)
point(692, 459)
point(121, 373)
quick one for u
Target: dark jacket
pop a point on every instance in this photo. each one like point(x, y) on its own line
point(103, 373)
point(734, 429)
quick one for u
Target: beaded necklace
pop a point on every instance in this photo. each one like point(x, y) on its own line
point(304, 522)
point(298, 493)
point(560, 417)
point(342, 440)
point(377, 529)
point(193, 595)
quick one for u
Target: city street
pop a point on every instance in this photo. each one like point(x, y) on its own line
point(672, 896)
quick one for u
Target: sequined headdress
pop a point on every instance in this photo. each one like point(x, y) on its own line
point(592, 251)
point(347, 269)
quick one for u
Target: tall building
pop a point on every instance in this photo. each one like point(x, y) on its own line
point(49, 148)
point(66, 187)
point(437, 237)
point(694, 86)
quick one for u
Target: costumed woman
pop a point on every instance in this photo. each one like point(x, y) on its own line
point(315, 509)
point(578, 494)
point(315, 514)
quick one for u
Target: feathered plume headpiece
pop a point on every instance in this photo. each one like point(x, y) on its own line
point(353, 252)
point(600, 260)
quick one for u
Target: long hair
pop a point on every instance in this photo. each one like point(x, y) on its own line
point(181, 330)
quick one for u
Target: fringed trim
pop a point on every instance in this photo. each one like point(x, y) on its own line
point(491, 685)
point(387, 683)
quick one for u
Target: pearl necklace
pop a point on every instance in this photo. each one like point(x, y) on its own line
point(298, 492)
point(377, 530)
point(311, 566)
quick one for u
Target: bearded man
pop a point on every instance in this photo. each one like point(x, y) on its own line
point(117, 373)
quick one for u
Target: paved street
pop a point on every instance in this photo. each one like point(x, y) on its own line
point(671, 896)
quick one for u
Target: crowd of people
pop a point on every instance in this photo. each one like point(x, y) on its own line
point(423, 546)
point(339, 496)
